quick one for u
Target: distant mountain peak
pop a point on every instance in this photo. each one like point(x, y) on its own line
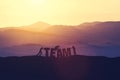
point(36, 27)
point(40, 23)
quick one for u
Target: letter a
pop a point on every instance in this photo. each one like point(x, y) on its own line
point(40, 52)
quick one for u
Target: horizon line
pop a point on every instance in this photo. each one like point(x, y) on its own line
point(62, 24)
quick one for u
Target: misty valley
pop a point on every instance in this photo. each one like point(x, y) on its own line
point(59, 40)
point(91, 39)
point(90, 51)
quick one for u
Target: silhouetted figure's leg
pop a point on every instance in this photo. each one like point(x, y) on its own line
point(52, 53)
point(47, 50)
point(66, 52)
point(74, 50)
point(40, 52)
point(59, 53)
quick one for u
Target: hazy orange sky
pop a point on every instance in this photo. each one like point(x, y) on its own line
point(70, 12)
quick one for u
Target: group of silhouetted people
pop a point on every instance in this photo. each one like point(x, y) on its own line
point(57, 51)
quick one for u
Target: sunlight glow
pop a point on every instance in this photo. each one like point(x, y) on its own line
point(37, 2)
point(57, 12)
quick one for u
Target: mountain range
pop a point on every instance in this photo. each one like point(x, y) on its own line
point(93, 39)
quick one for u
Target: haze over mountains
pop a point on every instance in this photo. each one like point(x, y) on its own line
point(93, 39)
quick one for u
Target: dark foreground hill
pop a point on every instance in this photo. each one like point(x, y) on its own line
point(68, 68)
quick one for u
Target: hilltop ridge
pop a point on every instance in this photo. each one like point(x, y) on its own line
point(66, 68)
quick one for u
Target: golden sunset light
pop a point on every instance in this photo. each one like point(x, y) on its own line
point(59, 40)
point(37, 1)
point(66, 12)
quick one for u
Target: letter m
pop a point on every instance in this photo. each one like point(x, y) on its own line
point(67, 52)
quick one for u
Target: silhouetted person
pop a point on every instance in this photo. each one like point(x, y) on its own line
point(40, 52)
